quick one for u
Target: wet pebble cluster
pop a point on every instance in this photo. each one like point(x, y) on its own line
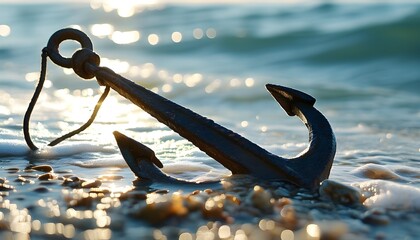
point(64, 206)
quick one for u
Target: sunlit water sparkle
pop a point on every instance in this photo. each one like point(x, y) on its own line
point(361, 67)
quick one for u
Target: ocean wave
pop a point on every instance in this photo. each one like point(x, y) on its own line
point(318, 35)
point(390, 40)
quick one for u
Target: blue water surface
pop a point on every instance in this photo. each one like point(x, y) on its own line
point(360, 61)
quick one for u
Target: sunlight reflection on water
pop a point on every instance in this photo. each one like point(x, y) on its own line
point(214, 60)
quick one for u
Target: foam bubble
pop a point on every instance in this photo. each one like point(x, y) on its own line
point(390, 195)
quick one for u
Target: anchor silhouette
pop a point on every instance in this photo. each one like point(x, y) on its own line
point(233, 151)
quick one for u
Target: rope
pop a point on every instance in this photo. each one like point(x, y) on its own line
point(34, 99)
point(87, 124)
point(31, 106)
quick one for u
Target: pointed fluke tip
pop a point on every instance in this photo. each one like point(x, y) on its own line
point(288, 97)
point(136, 149)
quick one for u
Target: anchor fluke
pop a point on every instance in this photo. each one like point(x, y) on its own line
point(145, 165)
point(288, 97)
point(137, 149)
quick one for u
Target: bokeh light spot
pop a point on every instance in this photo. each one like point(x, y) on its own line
point(125, 37)
point(176, 37)
point(153, 39)
point(287, 235)
point(4, 30)
point(249, 82)
point(211, 33)
point(198, 33)
point(101, 30)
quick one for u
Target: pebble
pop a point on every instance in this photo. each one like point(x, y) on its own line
point(47, 177)
point(162, 191)
point(213, 208)
point(64, 171)
point(208, 191)
point(193, 203)
point(99, 190)
point(3, 180)
point(261, 199)
point(288, 217)
point(12, 170)
point(23, 180)
point(375, 217)
point(5, 226)
point(92, 184)
point(41, 190)
point(160, 210)
point(41, 168)
point(340, 193)
point(73, 182)
point(280, 203)
point(133, 195)
point(79, 201)
point(6, 187)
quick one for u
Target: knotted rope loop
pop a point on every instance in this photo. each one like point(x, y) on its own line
point(81, 58)
point(84, 62)
point(62, 35)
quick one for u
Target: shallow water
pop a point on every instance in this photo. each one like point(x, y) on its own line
point(360, 61)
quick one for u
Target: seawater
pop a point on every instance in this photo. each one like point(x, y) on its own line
point(360, 61)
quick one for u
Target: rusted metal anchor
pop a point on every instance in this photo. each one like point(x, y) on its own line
point(233, 151)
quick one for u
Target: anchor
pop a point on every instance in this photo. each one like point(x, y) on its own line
point(233, 151)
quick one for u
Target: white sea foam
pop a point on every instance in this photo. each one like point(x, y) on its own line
point(182, 167)
point(69, 149)
point(102, 163)
point(390, 195)
point(13, 148)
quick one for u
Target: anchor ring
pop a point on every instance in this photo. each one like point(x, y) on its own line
point(60, 36)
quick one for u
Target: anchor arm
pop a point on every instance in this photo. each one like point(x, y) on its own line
point(316, 160)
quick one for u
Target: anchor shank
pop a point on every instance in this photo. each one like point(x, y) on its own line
point(227, 147)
